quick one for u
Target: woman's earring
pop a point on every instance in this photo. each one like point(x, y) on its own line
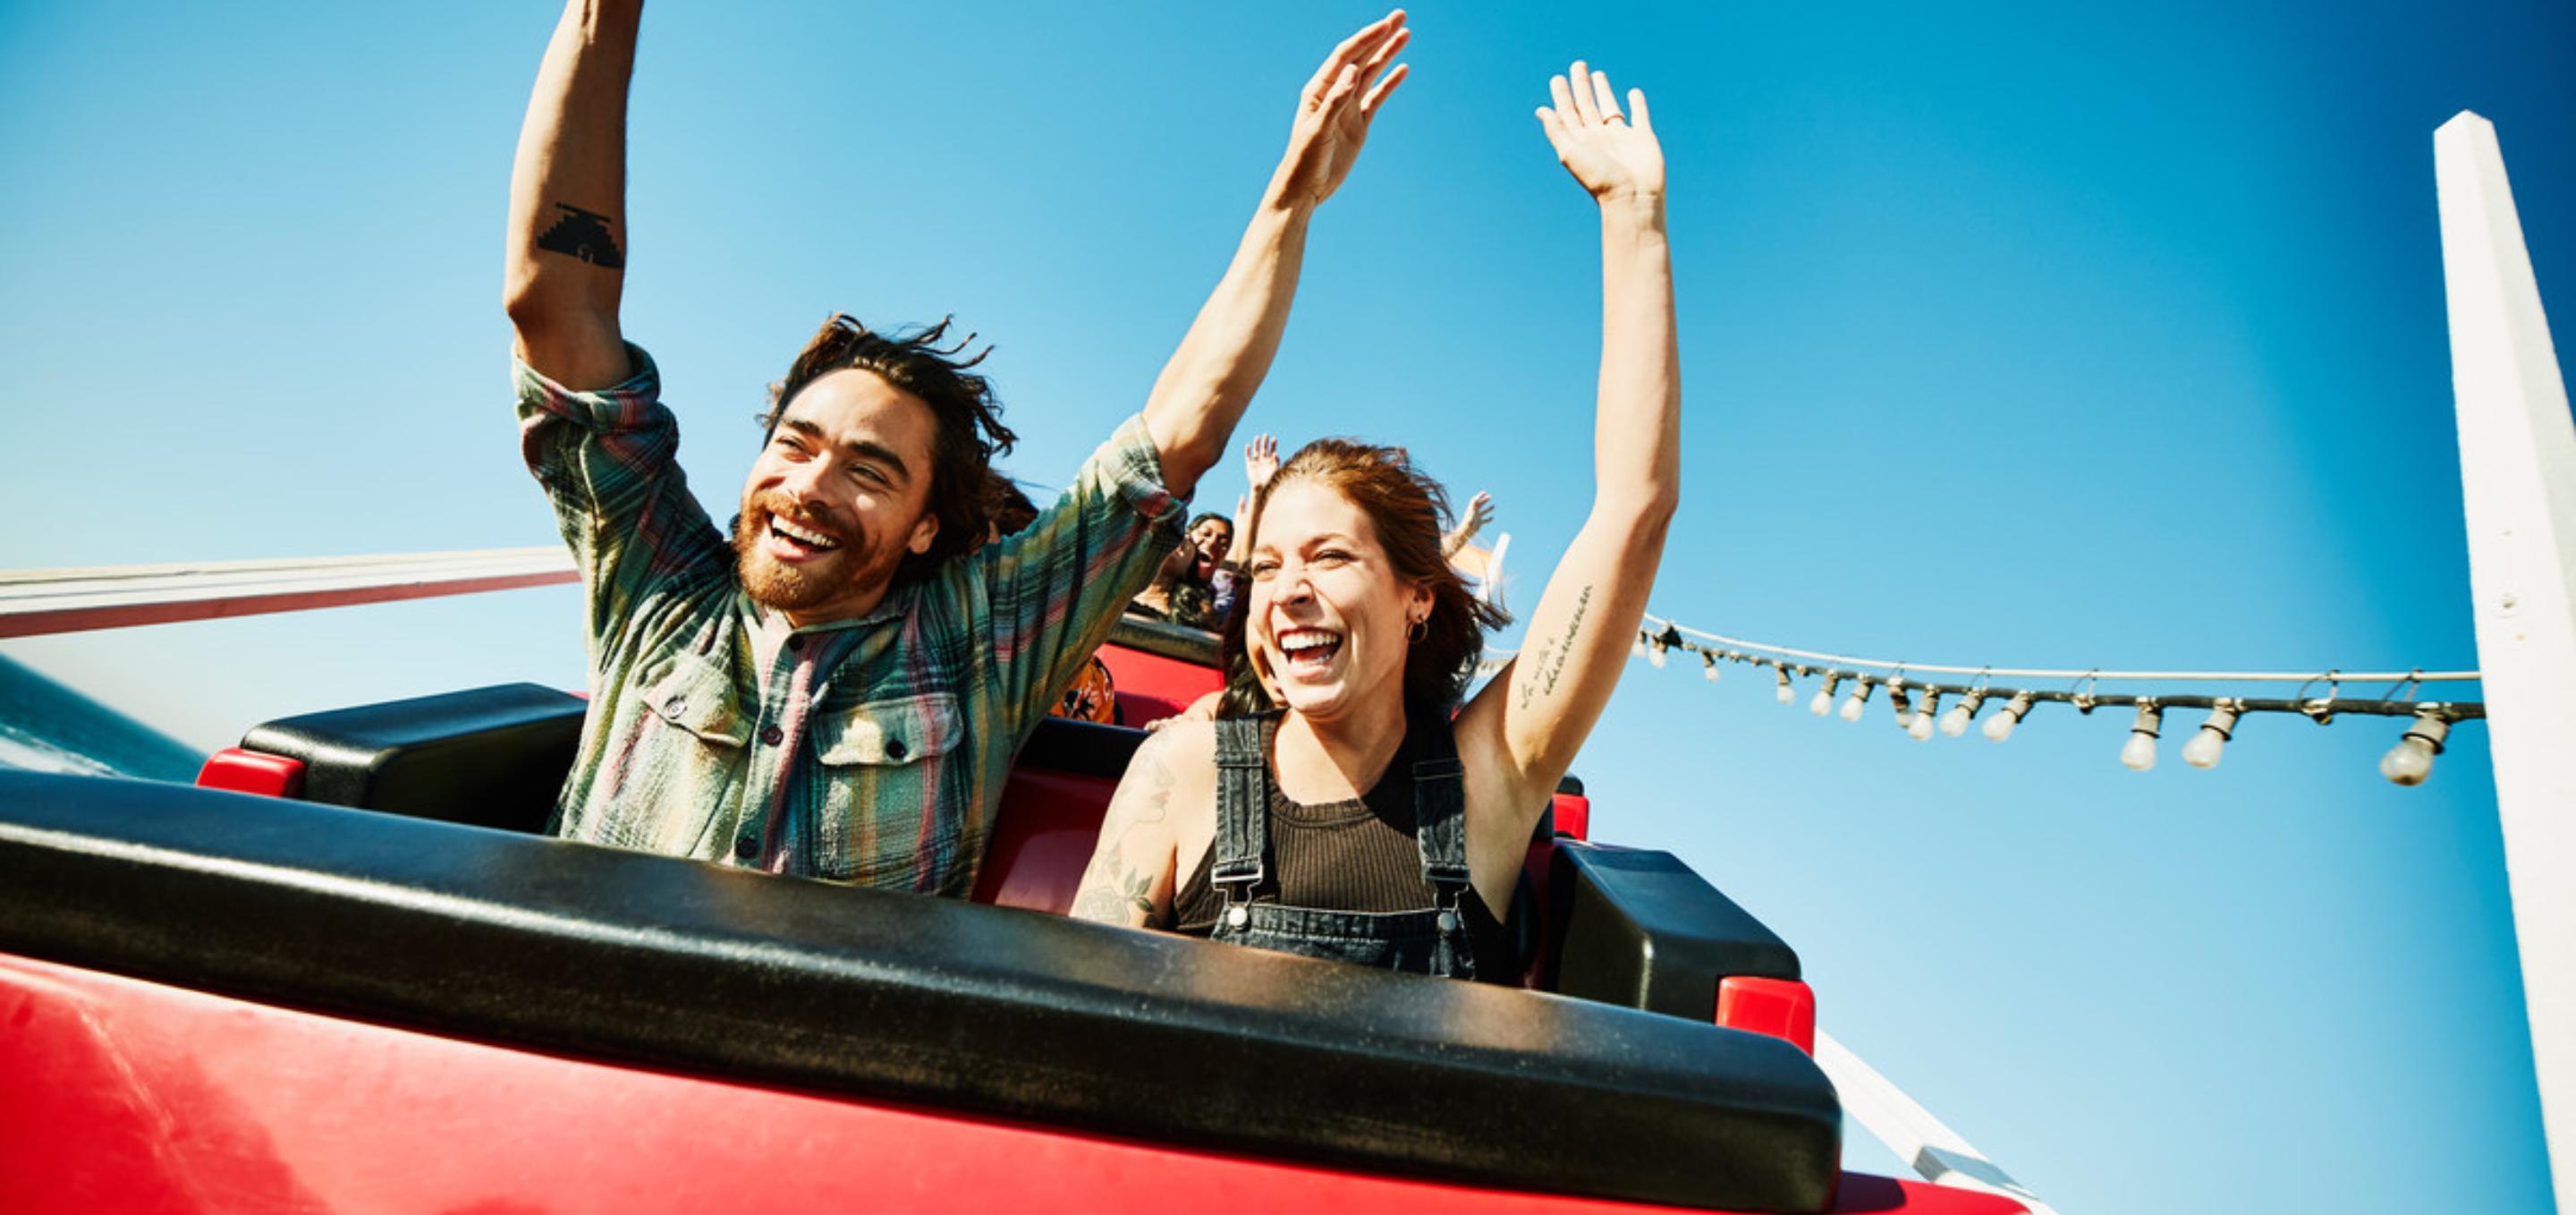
point(1421, 629)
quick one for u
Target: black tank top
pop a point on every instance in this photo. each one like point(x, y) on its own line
point(1358, 854)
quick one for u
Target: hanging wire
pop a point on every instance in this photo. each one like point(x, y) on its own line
point(1845, 660)
point(2408, 763)
point(2083, 691)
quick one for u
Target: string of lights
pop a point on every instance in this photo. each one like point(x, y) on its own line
point(1917, 701)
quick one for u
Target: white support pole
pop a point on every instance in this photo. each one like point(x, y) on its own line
point(2518, 480)
point(1910, 1131)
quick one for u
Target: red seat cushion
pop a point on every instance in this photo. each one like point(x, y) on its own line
point(1042, 838)
point(1152, 687)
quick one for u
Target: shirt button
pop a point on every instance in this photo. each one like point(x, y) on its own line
point(746, 847)
point(894, 748)
point(770, 734)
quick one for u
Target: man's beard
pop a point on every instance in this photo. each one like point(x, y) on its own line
point(781, 587)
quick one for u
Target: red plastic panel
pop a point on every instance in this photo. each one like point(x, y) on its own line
point(253, 772)
point(1152, 687)
point(1043, 834)
point(1782, 1008)
point(1574, 816)
point(131, 1096)
point(1864, 1192)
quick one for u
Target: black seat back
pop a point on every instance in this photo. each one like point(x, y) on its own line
point(490, 757)
point(1642, 929)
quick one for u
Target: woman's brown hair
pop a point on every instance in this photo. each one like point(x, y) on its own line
point(1409, 510)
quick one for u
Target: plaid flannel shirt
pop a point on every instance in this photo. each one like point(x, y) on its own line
point(871, 750)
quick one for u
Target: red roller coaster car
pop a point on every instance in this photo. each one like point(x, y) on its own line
point(349, 975)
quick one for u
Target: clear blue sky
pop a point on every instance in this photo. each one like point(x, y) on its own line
point(2026, 334)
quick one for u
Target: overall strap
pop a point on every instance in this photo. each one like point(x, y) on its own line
point(1242, 809)
point(1440, 810)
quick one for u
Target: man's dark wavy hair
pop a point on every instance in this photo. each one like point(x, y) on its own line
point(926, 364)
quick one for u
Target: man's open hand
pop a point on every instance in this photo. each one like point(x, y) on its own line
point(1334, 111)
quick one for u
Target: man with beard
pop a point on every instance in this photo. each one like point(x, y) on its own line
point(838, 692)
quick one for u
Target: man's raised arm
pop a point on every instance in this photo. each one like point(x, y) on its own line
point(1202, 392)
point(566, 258)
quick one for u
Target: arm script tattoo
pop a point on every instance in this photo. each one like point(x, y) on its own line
point(1551, 655)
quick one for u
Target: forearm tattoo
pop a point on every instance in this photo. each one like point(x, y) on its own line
point(585, 235)
point(1552, 654)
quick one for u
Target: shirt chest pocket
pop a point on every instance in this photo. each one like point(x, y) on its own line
point(889, 733)
point(700, 699)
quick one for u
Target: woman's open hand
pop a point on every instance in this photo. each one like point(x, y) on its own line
point(1614, 155)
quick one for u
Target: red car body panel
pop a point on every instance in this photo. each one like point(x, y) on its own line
point(131, 1096)
point(123, 1094)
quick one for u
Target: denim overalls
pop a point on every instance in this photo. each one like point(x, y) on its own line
point(1433, 941)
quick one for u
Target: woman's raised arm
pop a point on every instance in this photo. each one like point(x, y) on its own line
point(1543, 706)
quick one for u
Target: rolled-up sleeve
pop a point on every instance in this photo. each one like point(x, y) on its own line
point(1058, 586)
point(608, 461)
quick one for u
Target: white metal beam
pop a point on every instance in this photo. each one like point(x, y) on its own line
point(1910, 1131)
point(34, 602)
point(2518, 482)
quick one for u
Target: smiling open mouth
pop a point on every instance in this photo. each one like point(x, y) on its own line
point(1309, 649)
point(797, 540)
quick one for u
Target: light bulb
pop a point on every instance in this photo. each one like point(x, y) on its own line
point(2000, 726)
point(1709, 657)
point(2411, 760)
point(2204, 748)
point(1852, 707)
point(2139, 753)
point(1655, 654)
point(1788, 692)
point(1901, 702)
point(1955, 722)
point(1824, 701)
point(1638, 649)
point(1920, 725)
